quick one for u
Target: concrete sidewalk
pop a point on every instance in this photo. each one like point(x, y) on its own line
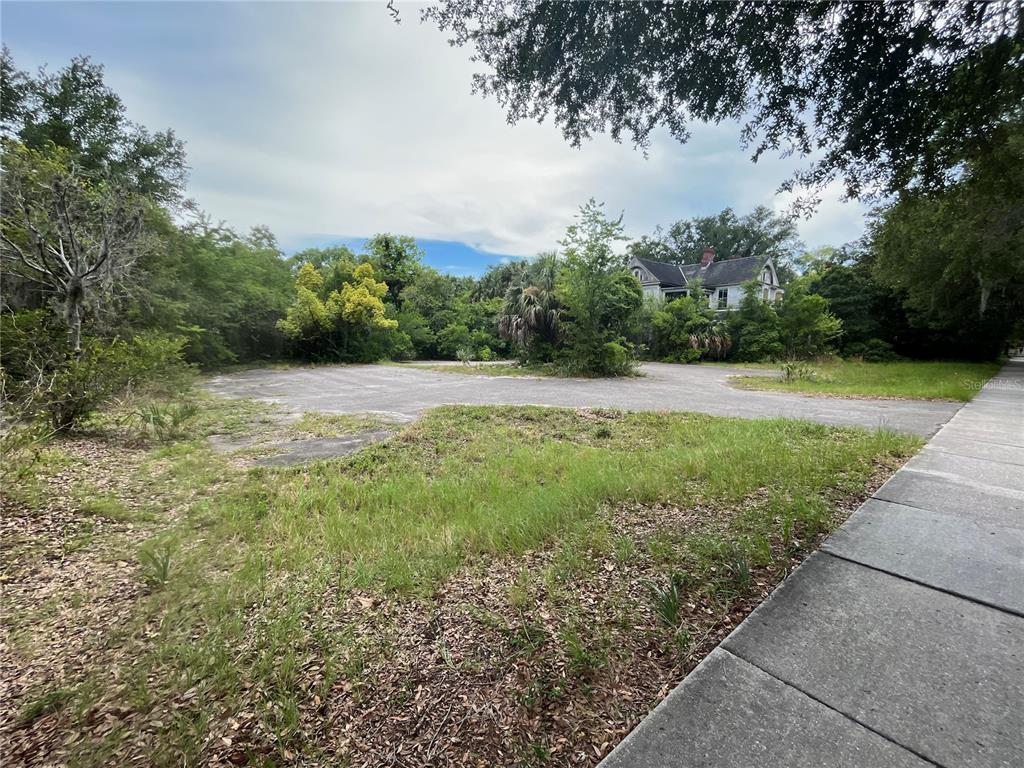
point(901, 643)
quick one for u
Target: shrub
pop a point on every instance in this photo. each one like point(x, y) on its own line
point(684, 355)
point(104, 370)
point(759, 341)
point(46, 379)
point(156, 565)
point(617, 360)
point(872, 351)
point(806, 327)
point(165, 422)
point(685, 330)
point(32, 340)
point(755, 329)
point(797, 371)
point(20, 446)
point(453, 339)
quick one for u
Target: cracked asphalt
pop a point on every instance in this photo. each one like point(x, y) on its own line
point(405, 392)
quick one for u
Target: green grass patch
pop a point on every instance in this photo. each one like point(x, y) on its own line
point(44, 704)
point(226, 416)
point(902, 379)
point(246, 595)
point(341, 424)
point(471, 482)
point(466, 481)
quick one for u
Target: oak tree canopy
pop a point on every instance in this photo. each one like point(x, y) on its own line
point(878, 95)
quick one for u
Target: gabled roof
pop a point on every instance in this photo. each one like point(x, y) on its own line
point(666, 274)
point(726, 272)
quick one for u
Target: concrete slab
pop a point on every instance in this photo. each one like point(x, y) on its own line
point(942, 676)
point(663, 387)
point(950, 552)
point(988, 403)
point(767, 722)
point(997, 418)
point(975, 501)
point(315, 449)
point(1001, 436)
point(950, 442)
point(1005, 394)
point(991, 473)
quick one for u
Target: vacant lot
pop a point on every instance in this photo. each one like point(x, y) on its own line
point(499, 586)
point(408, 391)
point(903, 379)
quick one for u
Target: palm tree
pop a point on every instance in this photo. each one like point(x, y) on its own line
point(530, 316)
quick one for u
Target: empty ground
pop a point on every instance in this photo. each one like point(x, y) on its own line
point(406, 392)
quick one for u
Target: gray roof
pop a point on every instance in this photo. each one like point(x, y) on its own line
point(726, 272)
point(666, 274)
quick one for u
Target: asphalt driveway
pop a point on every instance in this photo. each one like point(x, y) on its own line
point(405, 392)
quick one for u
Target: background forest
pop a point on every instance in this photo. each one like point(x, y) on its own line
point(112, 275)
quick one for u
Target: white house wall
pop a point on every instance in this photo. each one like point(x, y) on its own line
point(652, 290)
point(736, 293)
point(735, 296)
point(733, 299)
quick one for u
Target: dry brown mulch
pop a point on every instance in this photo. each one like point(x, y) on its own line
point(67, 583)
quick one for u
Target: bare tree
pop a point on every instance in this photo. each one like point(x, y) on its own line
point(77, 237)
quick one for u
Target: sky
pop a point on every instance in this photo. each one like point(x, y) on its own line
point(329, 123)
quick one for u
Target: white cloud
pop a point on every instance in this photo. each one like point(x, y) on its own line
point(326, 118)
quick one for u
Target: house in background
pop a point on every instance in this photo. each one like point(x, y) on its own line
point(722, 281)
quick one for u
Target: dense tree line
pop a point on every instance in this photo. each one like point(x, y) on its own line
point(916, 104)
point(105, 260)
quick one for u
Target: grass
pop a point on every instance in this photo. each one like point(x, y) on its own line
point(902, 379)
point(489, 369)
point(581, 548)
point(467, 480)
point(341, 424)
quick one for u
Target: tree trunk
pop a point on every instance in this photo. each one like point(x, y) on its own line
point(74, 320)
point(73, 313)
point(986, 290)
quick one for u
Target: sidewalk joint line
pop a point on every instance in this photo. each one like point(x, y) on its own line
point(912, 580)
point(990, 488)
point(825, 704)
point(939, 449)
point(908, 505)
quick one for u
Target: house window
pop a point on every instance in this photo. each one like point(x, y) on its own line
point(723, 298)
point(637, 274)
point(764, 294)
